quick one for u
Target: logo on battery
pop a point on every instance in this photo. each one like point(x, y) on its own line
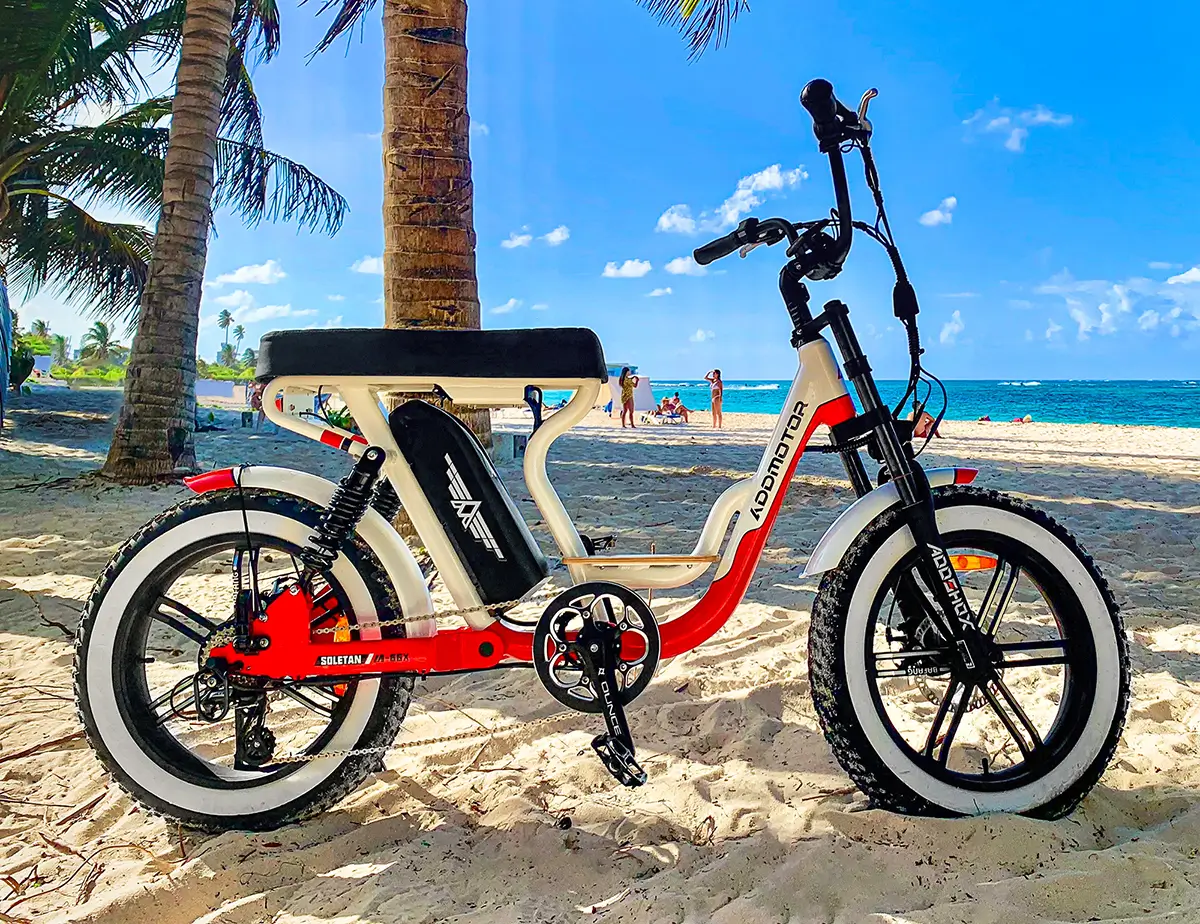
point(468, 511)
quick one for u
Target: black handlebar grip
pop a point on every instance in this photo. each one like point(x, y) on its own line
point(714, 250)
point(817, 97)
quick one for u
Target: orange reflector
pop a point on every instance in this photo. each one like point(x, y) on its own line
point(972, 562)
point(339, 689)
point(341, 631)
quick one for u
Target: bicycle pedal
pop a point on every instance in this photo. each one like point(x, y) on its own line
point(618, 760)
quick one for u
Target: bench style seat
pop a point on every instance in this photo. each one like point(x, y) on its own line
point(529, 355)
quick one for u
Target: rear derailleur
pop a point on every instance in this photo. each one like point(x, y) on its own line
point(595, 649)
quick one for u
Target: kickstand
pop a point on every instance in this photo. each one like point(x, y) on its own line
point(600, 643)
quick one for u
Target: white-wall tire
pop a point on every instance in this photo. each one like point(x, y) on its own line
point(889, 773)
point(371, 720)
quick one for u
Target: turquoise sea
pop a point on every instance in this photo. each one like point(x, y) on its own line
point(1163, 403)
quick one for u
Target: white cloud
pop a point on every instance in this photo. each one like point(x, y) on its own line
point(1052, 328)
point(942, 215)
point(371, 265)
point(1161, 265)
point(540, 306)
point(511, 305)
point(1082, 318)
point(336, 298)
point(658, 293)
point(238, 298)
point(685, 266)
point(480, 128)
point(747, 195)
point(630, 269)
point(701, 335)
point(1186, 278)
point(952, 328)
point(330, 322)
point(1020, 303)
point(677, 218)
point(1013, 124)
point(271, 312)
point(1028, 335)
point(516, 240)
point(960, 295)
point(1148, 319)
point(557, 236)
point(1016, 139)
point(264, 274)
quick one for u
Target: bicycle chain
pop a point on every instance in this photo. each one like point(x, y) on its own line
point(228, 635)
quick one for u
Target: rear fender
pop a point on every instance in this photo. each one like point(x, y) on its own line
point(845, 529)
point(391, 550)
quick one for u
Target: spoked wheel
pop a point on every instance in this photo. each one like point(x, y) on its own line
point(269, 752)
point(913, 730)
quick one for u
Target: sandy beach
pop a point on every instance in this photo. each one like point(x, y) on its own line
point(746, 817)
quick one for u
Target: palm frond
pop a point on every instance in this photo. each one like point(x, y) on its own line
point(258, 184)
point(256, 28)
point(30, 30)
point(95, 264)
point(241, 116)
point(705, 23)
point(349, 14)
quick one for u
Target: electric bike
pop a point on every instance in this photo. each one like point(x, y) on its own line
point(248, 657)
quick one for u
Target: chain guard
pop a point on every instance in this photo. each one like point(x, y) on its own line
point(556, 654)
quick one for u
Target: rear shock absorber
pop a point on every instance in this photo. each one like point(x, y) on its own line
point(347, 506)
point(386, 501)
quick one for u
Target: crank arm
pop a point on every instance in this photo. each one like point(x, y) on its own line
point(615, 748)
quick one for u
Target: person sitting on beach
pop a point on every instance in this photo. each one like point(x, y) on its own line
point(256, 403)
point(678, 408)
point(717, 390)
point(925, 426)
point(628, 383)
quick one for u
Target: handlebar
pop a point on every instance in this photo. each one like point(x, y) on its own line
point(714, 250)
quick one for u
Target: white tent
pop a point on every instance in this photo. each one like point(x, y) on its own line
point(643, 397)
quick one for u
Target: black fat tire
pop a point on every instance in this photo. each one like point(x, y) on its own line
point(380, 731)
point(827, 669)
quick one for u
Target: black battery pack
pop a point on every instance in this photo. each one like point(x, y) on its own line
point(483, 524)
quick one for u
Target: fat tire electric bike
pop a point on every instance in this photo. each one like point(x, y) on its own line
point(941, 606)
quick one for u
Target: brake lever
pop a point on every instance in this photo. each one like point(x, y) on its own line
point(862, 109)
point(746, 248)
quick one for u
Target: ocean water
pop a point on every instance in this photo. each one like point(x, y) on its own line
point(1162, 403)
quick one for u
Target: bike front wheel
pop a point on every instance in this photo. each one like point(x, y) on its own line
point(918, 739)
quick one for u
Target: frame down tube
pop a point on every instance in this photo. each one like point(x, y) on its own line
point(817, 396)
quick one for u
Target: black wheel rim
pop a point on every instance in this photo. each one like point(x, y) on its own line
point(1001, 735)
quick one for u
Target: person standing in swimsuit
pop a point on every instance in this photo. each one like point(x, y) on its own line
point(718, 393)
point(628, 383)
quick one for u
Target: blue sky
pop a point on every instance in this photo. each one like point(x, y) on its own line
point(1040, 163)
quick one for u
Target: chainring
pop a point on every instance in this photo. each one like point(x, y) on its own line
point(557, 656)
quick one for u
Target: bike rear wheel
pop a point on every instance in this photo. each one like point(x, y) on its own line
point(918, 739)
point(139, 646)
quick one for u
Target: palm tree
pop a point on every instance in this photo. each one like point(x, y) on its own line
point(249, 358)
point(40, 328)
point(98, 345)
point(428, 224)
point(225, 321)
point(153, 438)
point(239, 334)
point(60, 350)
point(226, 357)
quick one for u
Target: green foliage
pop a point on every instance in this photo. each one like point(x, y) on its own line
point(99, 346)
point(228, 374)
point(83, 374)
point(58, 57)
point(20, 365)
point(39, 346)
point(340, 417)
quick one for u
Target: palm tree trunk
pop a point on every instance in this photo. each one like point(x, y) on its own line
point(154, 434)
point(428, 220)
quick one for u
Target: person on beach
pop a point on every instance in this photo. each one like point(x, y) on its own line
point(677, 406)
point(717, 390)
point(256, 403)
point(628, 383)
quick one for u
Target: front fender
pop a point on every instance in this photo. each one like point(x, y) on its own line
point(391, 550)
point(845, 529)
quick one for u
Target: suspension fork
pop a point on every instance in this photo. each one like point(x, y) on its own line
point(952, 616)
